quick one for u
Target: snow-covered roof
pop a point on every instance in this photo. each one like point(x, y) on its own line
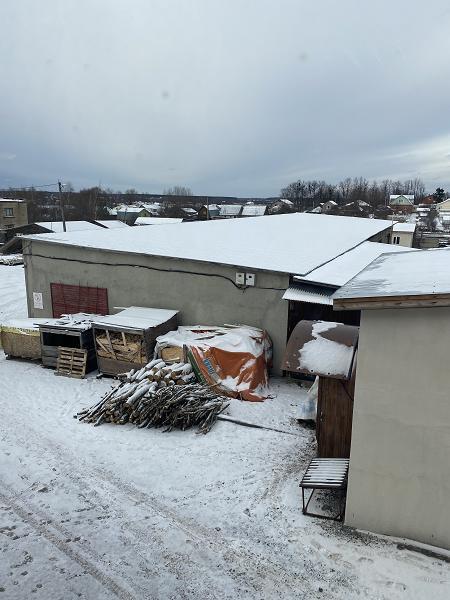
point(189, 211)
point(131, 209)
point(57, 226)
point(404, 199)
point(112, 224)
point(340, 270)
point(295, 243)
point(286, 201)
point(157, 221)
point(253, 210)
point(423, 272)
point(12, 200)
point(404, 227)
point(407, 196)
point(230, 210)
point(136, 317)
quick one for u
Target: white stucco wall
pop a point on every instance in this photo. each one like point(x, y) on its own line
point(399, 480)
point(406, 238)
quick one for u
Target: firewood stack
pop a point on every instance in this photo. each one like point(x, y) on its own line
point(158, 395)
point(121, 346)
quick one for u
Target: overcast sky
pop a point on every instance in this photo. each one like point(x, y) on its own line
point(232, 97)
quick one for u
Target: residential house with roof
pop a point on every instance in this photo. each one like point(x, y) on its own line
point(401, 203)
point(208, 212)
point(213, 272)
point(443, 207)
point(13, 213)
point(280, 206)
point(399, 477)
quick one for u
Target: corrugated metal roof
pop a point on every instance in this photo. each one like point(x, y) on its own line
point(253, 210)
point(314, 294)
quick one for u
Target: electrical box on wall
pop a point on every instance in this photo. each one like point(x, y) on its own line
point(240, 278)
point(249, 279)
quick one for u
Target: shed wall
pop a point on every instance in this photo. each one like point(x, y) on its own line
point(399, 480)
point(206, 297)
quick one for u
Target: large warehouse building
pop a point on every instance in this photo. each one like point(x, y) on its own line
point(213, 272)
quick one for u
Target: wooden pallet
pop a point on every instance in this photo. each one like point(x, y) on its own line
point(71, 362)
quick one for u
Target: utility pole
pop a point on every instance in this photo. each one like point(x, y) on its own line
point(207, 208)
point(61, 205)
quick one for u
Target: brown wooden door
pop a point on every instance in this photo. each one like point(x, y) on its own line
point(334, 417)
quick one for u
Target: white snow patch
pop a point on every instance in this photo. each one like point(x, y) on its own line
point(321, 354)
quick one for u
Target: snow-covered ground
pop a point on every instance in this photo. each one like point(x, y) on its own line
point(116, 511)
point(13, 302)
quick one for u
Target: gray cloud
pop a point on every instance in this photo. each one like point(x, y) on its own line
point(238, 97)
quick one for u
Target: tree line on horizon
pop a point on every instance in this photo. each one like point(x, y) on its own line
point(92, 203)
point(309, 194)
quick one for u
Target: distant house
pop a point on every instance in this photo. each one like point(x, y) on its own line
point(443, 207)
point(399, 475)
point(13, 213)
point(356, 208)
point(428, 200)
point(280, 206)
point(153, 208)
point(230, 211)
point(210, 211)
point(129, 214)
point(328, 206)
point(403, 234)
point(401, 203)
point(254, 210)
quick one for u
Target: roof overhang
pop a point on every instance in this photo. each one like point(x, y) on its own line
point(377, 302)
point(313, 294)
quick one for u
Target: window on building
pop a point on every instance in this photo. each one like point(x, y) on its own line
point(396, 239)
point(8, 212)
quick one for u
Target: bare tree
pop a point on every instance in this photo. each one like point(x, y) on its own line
point(178, 190)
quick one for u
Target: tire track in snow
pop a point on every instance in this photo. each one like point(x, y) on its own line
point(27, 512)
point(258, 568)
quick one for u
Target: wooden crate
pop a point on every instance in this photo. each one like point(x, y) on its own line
point(71, 362)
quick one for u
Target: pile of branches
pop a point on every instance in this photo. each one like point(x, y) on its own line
point(170, 406)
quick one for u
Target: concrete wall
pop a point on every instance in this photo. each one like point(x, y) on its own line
point(406, 238)
point(399, 481)
point(200, 298)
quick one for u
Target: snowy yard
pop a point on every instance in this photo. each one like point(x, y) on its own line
point(115, 511)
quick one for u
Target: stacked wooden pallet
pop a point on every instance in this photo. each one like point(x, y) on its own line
point(71, 362)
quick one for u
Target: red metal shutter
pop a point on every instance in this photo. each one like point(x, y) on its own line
point(70, 299)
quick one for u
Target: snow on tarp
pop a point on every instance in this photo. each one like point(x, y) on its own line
point(294, 243)
point(321, 348)
point(233, 359)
